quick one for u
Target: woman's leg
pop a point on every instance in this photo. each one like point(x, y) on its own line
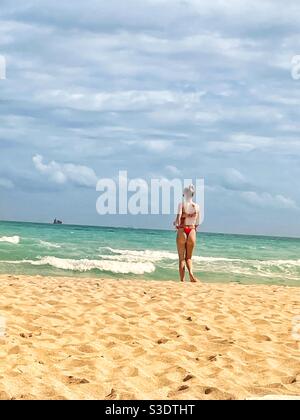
point(190, 245)
point(181, 247)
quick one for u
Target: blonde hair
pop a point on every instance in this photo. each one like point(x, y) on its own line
point(189, 190)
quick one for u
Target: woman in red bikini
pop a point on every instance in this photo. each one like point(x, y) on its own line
point(186, 223)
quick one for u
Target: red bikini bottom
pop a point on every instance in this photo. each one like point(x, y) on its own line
point(187, 230)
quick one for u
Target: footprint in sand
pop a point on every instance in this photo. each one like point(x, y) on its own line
point(162, 341)
point(188, 377)
point(261, 338)
point(4, 396)
point(23, 335)
point(112, 395)
point(86, 349)
point(14, 350)
point(183, 388)
point(71, 380)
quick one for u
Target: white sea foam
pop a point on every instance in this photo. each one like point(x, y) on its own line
point(279, 263)
point(49, 244)
point(151, 255)
point(156, 256)
point(124, 261)
point(15, 240)
point(221, 265)
point(84, 265)
point(286, 269)
point(146, 255)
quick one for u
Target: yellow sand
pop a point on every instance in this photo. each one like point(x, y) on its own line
point(86, 339)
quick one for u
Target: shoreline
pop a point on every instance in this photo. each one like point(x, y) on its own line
point(102, 278)
point(98, 338)
point(86, 276)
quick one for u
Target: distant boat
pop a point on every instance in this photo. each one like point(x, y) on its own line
point(57, 222)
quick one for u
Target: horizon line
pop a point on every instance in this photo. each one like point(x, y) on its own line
point(147, 228)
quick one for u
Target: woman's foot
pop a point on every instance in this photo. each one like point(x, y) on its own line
point(183, 276)
point(193, 278)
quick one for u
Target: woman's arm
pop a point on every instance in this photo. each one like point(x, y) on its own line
point(178, 217)
point(198, 217)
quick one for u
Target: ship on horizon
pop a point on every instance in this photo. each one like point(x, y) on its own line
point(57, 222)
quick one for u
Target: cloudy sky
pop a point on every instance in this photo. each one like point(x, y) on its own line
point(161, 88)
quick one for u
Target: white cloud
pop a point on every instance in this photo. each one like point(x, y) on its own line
point(157, 146)
point(173, 170)
point(153, 146)
point(251, 141)
point(237, 184)
point(119, 101)
point(6, 183)
point(234, 179)
point(268, 200)
point(241, 142)
point(62, 173)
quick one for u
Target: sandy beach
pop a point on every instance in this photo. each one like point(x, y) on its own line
point(107, 339)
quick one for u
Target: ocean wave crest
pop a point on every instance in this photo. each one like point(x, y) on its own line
point(218, 265)
point(15, 240)
point(160, 255)
point(84, 265)
point(49, 244)
point(139, 262)
point(133, 255)
point(280, 269)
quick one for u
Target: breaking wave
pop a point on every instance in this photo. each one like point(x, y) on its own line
point(260, 268)
point(139, 262)
point(49, 244)
point(15, 240)
point(84, 265)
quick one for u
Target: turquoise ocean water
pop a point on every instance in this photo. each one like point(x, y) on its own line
point(117, 253)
